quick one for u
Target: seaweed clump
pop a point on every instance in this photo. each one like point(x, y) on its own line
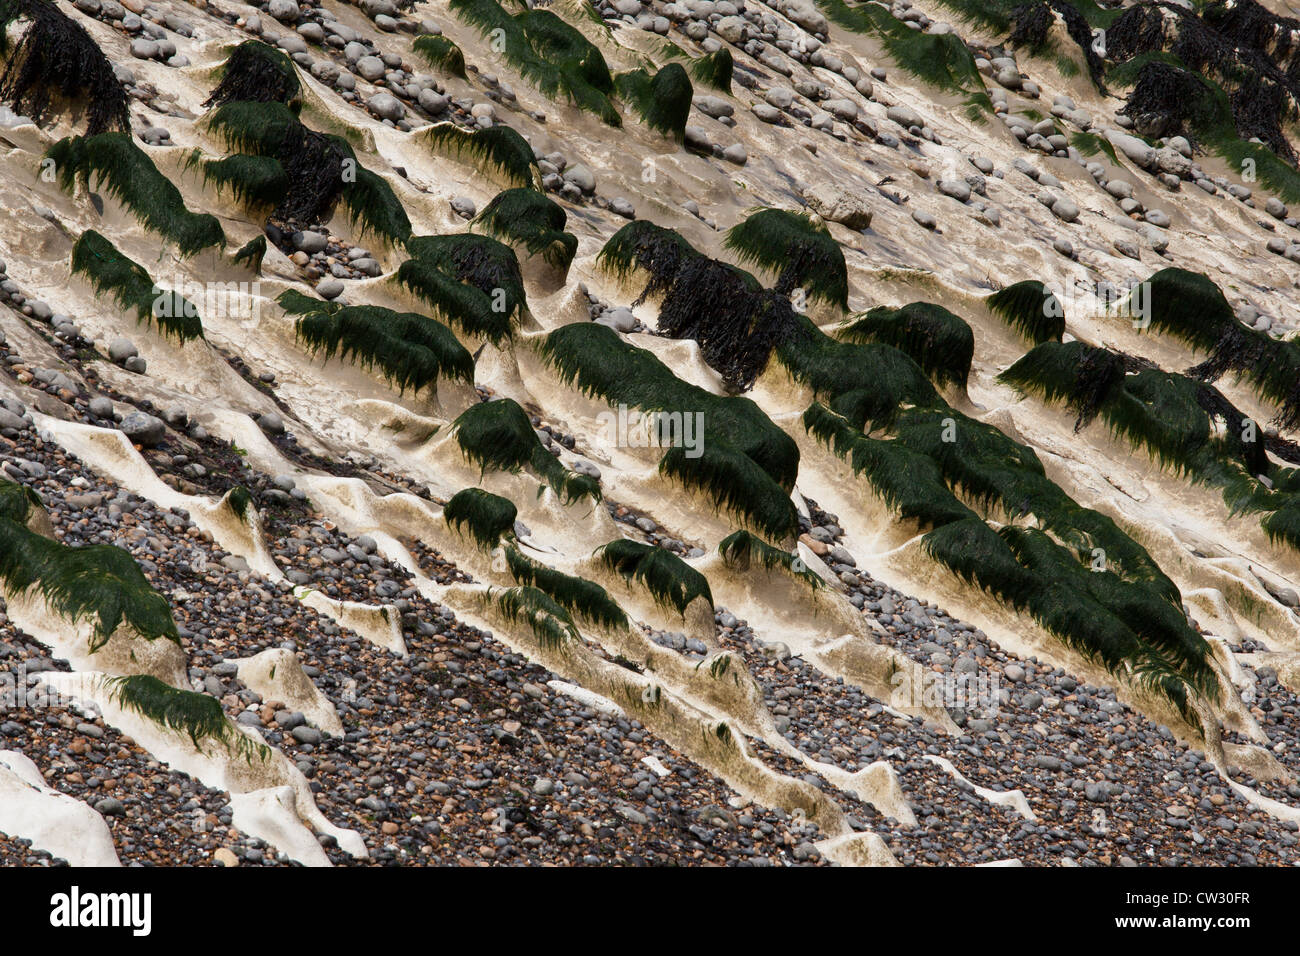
point(1225, 72)
point(940, 342)
point(473, 282)
point(940, 60)
point(532, 219)
point(1033, 24)
point(1191, 307)
point(747, 462)
point(1031, 310)
point(670, 580)
point(56, 58)
point(114, 163)
point(989, 514)
point(486, 517)
point(412, 351)
point(800, 251)
point(497, 150)
point(1070, 568)
point(548, 52)
point(581, 597)
point(498, 436)
point(714, 69)
point(256, 73)
point(320, 169)
point(736, 322)
point(195, 715)
point(99, 582)
point(663, 101)
point(1185, 425)
point(112, 273)
point(442, 53)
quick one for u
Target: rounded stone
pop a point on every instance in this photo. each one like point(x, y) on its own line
point(1158, 218)
point(144, 49)
point(387, 106)
point(1065, 209)
point(286, 11)
point(370, 68)
point(121, 349)
point(143, 429)
point(582, 177)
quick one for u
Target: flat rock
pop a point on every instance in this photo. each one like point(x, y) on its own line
point(836, 204)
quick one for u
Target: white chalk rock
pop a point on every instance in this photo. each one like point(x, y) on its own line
point(53, 821)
